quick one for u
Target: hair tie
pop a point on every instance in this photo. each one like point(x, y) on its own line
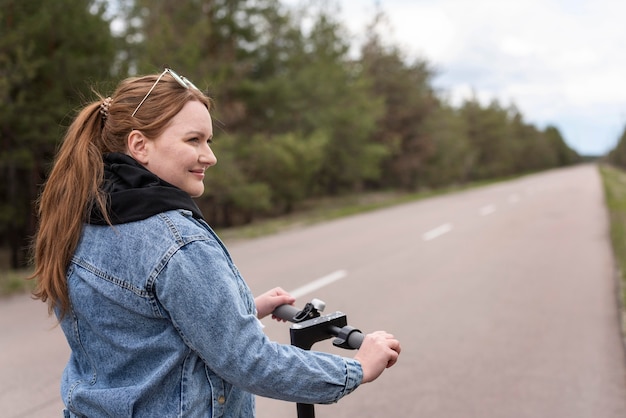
point(104, 108)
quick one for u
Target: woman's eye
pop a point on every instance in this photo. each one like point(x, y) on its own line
point(198, 140)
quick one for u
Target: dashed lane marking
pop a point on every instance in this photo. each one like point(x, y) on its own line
point(318, 283)
point(437, 232)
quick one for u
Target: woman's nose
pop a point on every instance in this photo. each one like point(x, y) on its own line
point(208, 157)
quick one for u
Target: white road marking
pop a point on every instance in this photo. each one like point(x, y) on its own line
point(434, 233)
point(487, 210)
point(319, 283)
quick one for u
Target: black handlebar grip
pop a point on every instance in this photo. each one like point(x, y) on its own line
point(355, 339)
point(286, 312)
point(347, 337)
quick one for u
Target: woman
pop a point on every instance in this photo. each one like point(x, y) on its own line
point(158, 318)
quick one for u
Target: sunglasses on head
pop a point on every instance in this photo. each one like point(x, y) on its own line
point(183, 81)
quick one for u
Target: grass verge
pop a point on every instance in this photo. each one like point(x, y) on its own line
point(614, 181)
point(13, 281)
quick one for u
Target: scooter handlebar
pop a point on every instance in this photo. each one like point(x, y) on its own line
point(346, 337)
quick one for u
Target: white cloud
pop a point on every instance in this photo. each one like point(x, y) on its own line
point(425, 32)
point(516, 47)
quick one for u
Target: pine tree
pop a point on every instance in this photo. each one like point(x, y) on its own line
point(49, 53)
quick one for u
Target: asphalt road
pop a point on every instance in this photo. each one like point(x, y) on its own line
point(504, 299)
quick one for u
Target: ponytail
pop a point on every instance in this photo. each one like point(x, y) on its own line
point(72, 187)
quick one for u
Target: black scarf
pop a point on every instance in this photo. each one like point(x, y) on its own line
point(134, 193)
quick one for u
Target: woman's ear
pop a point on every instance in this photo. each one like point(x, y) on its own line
point(137, 146)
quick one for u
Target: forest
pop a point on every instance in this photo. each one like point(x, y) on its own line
point(300, 112)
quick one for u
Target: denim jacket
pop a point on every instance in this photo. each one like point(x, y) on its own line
point(162, 324)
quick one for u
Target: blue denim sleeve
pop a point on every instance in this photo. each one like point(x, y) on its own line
point(202, 293)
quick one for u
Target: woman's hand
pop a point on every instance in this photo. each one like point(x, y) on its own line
point(379, 350)
point(270, 300)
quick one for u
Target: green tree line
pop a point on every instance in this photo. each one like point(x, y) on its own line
point(298, 114)
point(617, 156)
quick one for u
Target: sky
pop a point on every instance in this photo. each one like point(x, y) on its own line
point(560, 62)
